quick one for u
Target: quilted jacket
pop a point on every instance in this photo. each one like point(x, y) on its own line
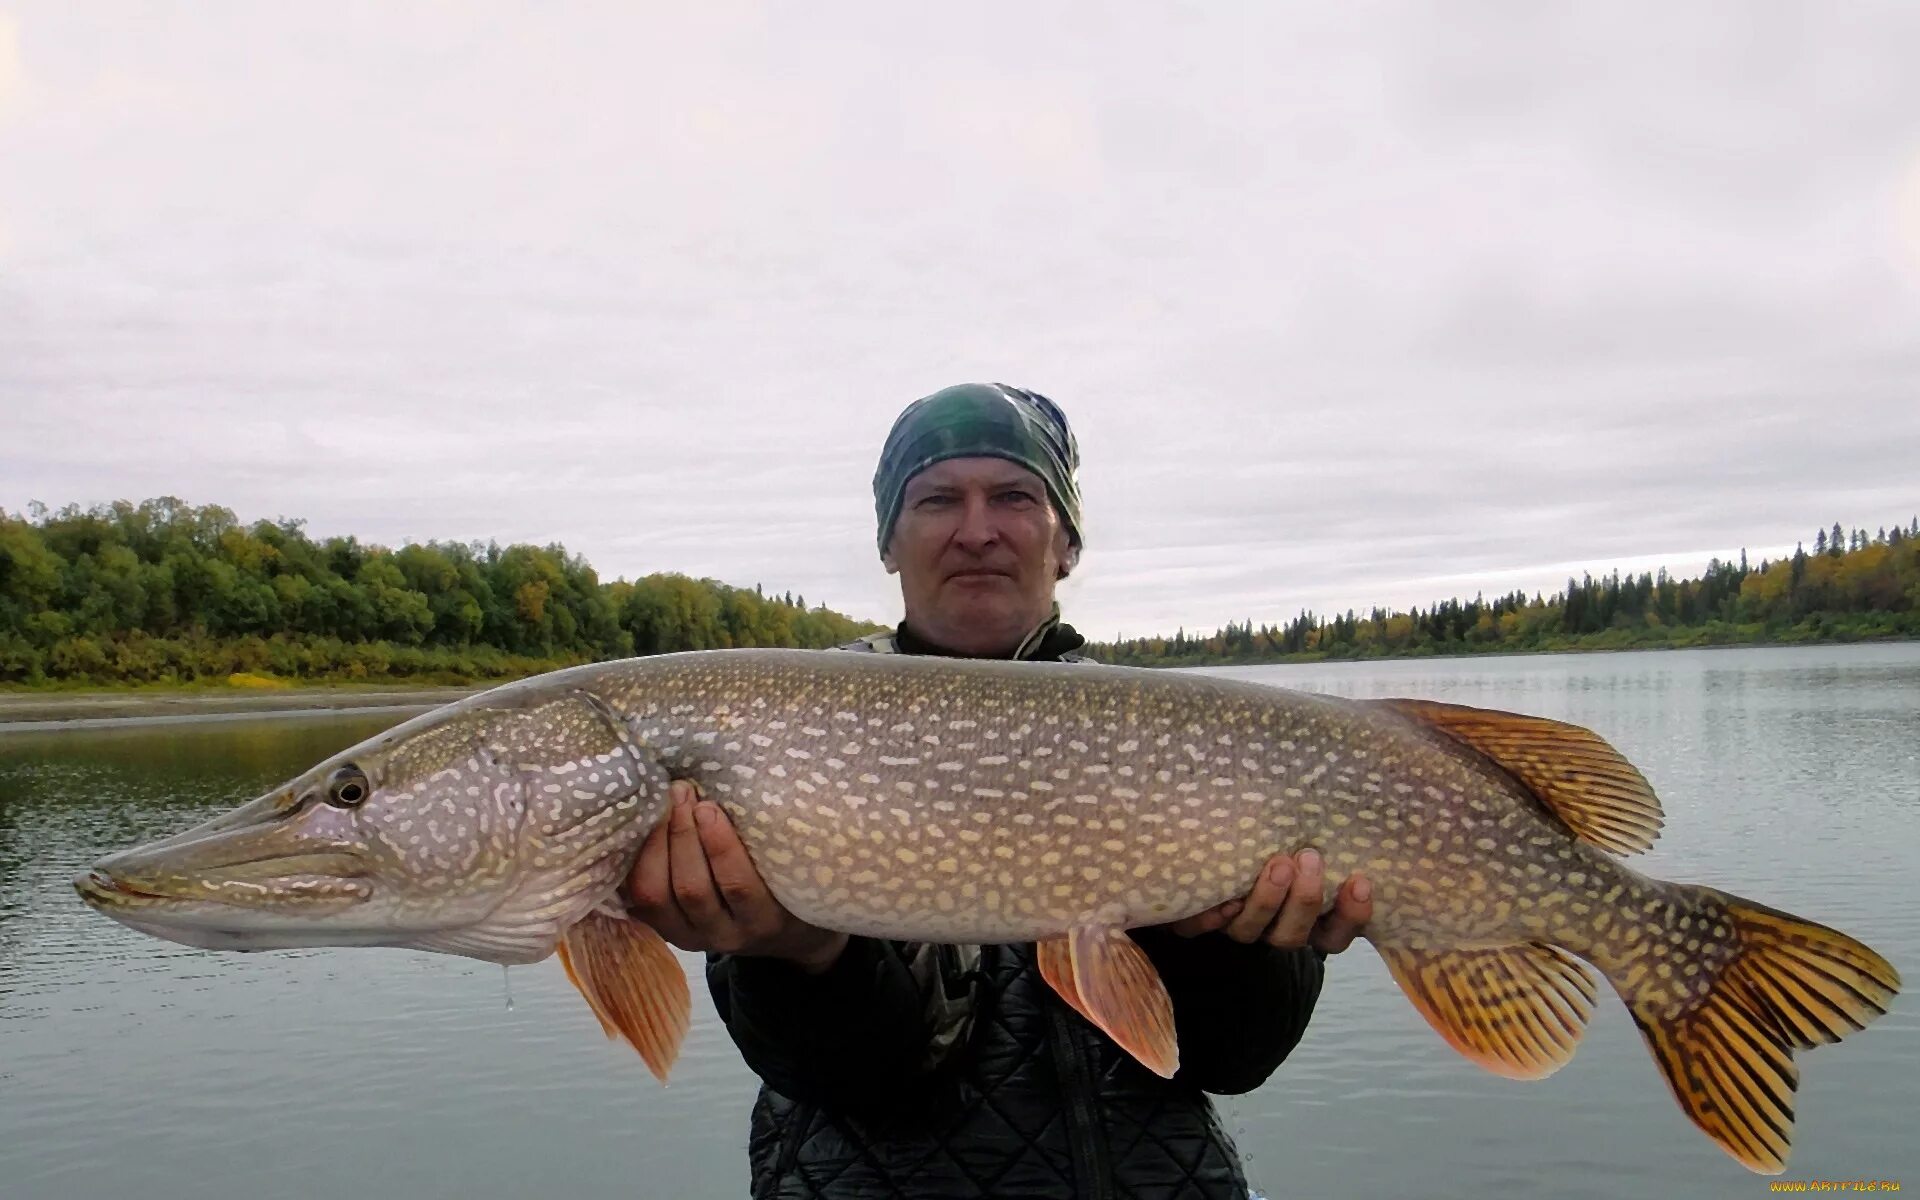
point(922, 1070)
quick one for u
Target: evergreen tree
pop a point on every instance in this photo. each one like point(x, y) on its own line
point(1869, 590)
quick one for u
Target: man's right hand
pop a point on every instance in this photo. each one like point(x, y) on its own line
point(695, 884)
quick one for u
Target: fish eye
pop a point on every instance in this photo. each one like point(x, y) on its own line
point(348, 787)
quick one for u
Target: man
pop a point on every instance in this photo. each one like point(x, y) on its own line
point(896, 1069)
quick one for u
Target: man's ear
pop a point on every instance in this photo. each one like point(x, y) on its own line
point(886, 560)
point(1069, 560)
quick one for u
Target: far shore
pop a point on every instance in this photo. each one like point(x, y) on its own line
point(50, 707)
point(43, 709)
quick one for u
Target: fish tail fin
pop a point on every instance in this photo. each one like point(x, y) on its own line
point(633, 983)
point(1725, 1043)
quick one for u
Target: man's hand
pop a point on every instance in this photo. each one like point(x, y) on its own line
point(1283, 909)
point(694, 883)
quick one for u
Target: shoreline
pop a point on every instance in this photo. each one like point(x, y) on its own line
point(49, 710)
point(25, 711)
point(1318, 660)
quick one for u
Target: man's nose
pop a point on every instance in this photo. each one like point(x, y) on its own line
point(977, 527)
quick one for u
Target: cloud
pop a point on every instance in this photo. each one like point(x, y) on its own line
point(1906, 218)
point(13, 88)
point(1347, 307)
point(13, 76)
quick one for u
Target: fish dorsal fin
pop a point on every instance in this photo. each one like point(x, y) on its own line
point(1572, 771)
point(1108, 979)
point(1517, 1010)
point(633, 983)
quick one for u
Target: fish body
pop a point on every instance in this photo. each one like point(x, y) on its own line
point(941, 800)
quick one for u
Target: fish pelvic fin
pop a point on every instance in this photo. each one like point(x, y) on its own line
point(1518, 1011)
point(1727, 1055)
point(1107, 978)
point(1573, 772)
point(634, 984)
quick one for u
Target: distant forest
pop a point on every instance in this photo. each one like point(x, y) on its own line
point(1850, 586)
point(166, 592)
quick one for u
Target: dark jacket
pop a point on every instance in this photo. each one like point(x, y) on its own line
point(921, 1070)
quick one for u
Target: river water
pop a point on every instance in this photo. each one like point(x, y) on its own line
point(133, 1066)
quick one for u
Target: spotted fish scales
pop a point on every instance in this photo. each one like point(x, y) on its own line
point(1003, 810)
point(938, 800)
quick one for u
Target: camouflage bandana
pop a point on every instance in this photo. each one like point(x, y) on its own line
point(980, 420)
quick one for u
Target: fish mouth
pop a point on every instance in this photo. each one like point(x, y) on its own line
point(269, 912)
point(284, 883)
point(97, 887)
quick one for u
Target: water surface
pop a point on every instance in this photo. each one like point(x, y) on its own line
point(129, 1065)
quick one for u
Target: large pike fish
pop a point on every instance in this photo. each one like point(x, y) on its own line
point(941, 800)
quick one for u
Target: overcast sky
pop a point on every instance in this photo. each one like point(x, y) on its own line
point(1348, 304)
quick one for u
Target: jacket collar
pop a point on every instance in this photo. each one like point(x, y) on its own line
point(1048, 642)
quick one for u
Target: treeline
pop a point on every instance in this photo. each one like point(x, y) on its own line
point(1852, 585)
point(164, 591)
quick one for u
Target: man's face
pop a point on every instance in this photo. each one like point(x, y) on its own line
point(978, 549)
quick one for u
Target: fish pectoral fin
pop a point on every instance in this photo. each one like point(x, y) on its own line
point(1108, 979)
point(573, 977)
point(633, 983)
point(1518, 1011)
point(1572, 771)
point(1056, 967)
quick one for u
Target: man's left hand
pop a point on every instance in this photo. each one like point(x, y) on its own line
point(1283, 908)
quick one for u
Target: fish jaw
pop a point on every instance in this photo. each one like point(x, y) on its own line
point(204, 924)
point(483, 829)
point(279, 872)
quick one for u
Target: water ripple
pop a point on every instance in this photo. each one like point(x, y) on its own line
point(130, 1066)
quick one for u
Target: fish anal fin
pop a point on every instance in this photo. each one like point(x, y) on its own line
point(1518, 1011)
point(1581, 779)
point(1108, 979)
point(634, 984)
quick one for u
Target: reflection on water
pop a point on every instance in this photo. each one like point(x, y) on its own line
point(131, 1065)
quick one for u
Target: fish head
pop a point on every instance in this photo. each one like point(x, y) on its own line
point(484, 829)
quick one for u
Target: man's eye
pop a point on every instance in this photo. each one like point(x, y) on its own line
point(1017, 497)
point(932, 501)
